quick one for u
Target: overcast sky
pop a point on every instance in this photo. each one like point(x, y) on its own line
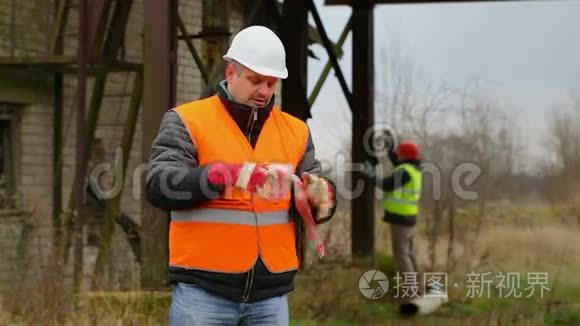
point(526, 52)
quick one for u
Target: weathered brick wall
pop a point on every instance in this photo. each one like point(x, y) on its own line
point(29, 21)
point(24, 33)
point(11, 232)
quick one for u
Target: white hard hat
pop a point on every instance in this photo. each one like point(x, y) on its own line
point(260, 50)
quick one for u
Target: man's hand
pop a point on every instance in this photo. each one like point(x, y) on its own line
point(320, 194)
point(393, 157)
point(248, 176)
point(279, 182)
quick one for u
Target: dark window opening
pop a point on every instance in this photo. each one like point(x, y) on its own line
point(8, 193)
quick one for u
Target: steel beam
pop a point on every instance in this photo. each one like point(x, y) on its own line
point(111, 48)
point(202, 68)
point(63, 63)
point(89, 130)
point(56, 47)
point(116, 32)
point(56, 160)
point(98, 15)
point(294, 31)
point(218, 71)
point(114, 204)
point(160, 64)
point(12, 27)
point(37, 60)
point(313, 35)
point(332, 57)
point(326, 70)
point(80, 169)
point(215, 28)
point(56, 33)
point(362, 209)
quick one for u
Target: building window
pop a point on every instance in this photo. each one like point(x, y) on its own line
point(8, 193)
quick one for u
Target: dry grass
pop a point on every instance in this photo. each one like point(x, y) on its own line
point(512, 240)
point(545, 246)
point(508, 247)
point(41, 296)
point(127, 308)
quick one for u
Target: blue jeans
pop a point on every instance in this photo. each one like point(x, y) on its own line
point(192, 305)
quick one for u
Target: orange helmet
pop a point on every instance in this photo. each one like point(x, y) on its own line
point(408, 150)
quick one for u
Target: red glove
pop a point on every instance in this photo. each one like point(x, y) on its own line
point(248, 176)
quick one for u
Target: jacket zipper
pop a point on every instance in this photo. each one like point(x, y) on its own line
point(251, 122)
point(250, 279)
point(249, 284)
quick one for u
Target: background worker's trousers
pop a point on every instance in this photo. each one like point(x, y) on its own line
point(402, 242)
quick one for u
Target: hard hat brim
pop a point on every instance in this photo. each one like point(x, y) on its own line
point(261, 70)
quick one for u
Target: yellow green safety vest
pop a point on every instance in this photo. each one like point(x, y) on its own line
point(405, 200)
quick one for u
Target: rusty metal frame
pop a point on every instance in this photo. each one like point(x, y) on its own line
point(68, 64)
point(56, 47)
point(198, 61)
point(113, 43)
point(114, 204)
point(326, 70)
point(81, 144)
point(58, 26)
point(98, 16)
point(159, 93)
point(219, 69)
point(331, 55)
point(116, 32)
point(363, 89)
point(293, 29)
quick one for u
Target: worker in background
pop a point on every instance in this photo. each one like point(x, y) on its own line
point(401, 203)
point(232, 251)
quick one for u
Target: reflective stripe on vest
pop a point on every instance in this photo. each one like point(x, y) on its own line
point(404, 201)
point(228, 233)
point(392, 200)
point(217, 215)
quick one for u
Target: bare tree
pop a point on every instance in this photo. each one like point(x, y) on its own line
point(563, 141)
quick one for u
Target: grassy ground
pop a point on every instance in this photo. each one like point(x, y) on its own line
point(329, 297)
point(514, 240)
point(339, 302)
point(325, 296)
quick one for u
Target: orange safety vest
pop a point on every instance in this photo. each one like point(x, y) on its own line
point(228, 233)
